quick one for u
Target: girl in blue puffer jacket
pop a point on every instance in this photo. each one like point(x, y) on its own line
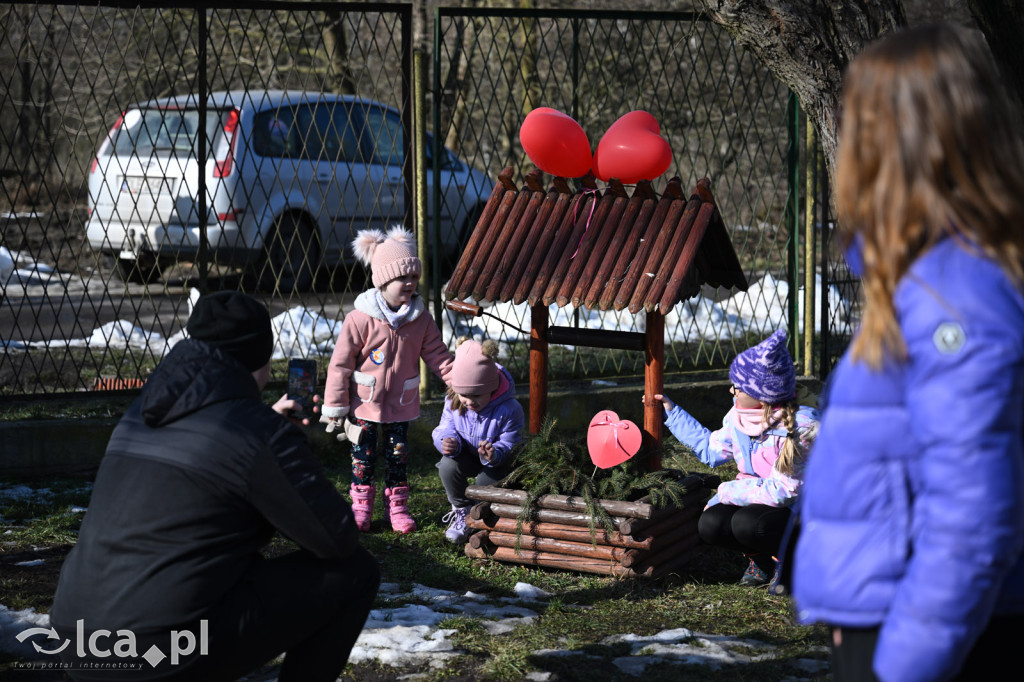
point(482, 421)
point(912, 513)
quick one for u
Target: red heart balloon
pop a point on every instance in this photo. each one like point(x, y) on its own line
point(611, 441)
point(555, 143)
point(632, 149)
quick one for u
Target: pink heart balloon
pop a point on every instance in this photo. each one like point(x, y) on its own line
point(611, 441)
point(632, 149)
point(555, 143)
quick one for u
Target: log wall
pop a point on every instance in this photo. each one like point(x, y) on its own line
point(646, 541)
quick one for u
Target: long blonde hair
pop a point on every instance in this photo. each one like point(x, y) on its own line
point(788, 456)
point(929, 146)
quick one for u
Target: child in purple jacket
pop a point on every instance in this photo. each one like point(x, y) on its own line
point(767, 433)
point(481, 422)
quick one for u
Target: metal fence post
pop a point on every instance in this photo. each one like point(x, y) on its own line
point(810, 328)
point(203, 199)
point(419, 121)
point(792, 221)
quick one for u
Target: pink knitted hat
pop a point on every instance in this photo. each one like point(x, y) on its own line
point(389, 256)
point(474, 373)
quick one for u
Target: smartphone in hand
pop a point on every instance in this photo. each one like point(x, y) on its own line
point(302, 383)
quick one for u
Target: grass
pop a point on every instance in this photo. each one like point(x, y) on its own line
point(584, 611)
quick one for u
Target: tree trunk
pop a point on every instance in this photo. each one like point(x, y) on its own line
point(452, 91)
point(807, 45)
point(1002, 22)
point(335, 45)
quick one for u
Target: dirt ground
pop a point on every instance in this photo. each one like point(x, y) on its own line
point(36, 585)
point(55, 238)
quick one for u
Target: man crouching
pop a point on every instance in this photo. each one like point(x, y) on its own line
point(167, 575)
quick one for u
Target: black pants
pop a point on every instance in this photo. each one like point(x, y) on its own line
point(995, 650)
point(310, 609)
point(755, 529)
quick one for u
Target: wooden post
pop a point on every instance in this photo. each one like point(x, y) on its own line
point(654, 378)
point(538, 365)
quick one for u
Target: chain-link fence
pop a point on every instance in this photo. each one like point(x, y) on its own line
point(724, 115)
point(149, 154)
point(153, 153)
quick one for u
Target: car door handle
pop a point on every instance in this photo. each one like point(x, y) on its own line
point(325, 176)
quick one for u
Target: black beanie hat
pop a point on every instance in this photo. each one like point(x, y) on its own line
point(237, 324)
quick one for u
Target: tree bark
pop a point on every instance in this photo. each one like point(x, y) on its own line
point(335, 45)
point(807, 45)
point(1002, 22)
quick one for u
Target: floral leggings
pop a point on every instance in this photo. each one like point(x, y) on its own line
point(396, 453)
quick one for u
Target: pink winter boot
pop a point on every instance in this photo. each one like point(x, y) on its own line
point(362, 504)
point(398, 509)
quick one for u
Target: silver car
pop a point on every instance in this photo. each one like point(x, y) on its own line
point(290, 178)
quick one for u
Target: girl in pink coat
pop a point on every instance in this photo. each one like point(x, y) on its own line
point(373, 376)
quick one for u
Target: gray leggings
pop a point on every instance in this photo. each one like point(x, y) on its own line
point(456, 472)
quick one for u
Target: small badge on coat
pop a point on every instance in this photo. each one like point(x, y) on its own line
point(949, 338)
point(377, 356)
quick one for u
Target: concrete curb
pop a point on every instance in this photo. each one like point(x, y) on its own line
point(48, 447)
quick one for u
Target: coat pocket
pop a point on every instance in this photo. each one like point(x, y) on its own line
point(365, 385)
point(897, 524)
point(410, 392)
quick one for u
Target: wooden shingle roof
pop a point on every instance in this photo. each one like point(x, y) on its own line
point(602, 250)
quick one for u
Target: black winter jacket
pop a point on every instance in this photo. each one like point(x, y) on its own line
point(197, 476)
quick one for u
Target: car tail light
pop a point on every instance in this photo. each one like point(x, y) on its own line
point(234, 214)
point(106, 143)
point(222, 167)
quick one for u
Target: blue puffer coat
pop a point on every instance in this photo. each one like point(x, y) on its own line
point(913, 500)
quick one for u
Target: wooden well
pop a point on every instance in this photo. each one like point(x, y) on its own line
point(646, 542)
point(602, 250)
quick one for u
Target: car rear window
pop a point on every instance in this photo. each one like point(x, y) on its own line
point(171, 131)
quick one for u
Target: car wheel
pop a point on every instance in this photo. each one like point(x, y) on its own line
point(144, 270)
point(291, 257)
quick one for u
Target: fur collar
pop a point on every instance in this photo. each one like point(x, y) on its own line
point(366, 302)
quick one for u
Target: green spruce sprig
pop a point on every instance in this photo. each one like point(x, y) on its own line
point(545, 463)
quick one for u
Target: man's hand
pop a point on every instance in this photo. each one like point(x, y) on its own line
point(292, 409)
point(450, 446)
point(486, 450)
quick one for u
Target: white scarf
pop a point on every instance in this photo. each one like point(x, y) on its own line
point(394, 317)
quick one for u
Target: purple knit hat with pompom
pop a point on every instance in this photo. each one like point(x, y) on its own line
point(765, 372)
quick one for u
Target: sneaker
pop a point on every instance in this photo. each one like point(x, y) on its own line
point(775, 586)
point(754, 576)
point(456, 519)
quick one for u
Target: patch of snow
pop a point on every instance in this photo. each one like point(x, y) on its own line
point(411, 634)
point(683, 646)
point(12, 623)
point(21, 493)
point(527, 591)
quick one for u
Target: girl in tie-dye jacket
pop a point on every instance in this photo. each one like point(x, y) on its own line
point(768, 434)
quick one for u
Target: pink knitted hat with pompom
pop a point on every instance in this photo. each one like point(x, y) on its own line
point(389, 256)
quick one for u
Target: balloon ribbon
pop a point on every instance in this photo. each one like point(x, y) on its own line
point(575, 215)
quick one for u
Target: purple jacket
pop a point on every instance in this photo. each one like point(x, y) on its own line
point(500, 422)
point(913, 501)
